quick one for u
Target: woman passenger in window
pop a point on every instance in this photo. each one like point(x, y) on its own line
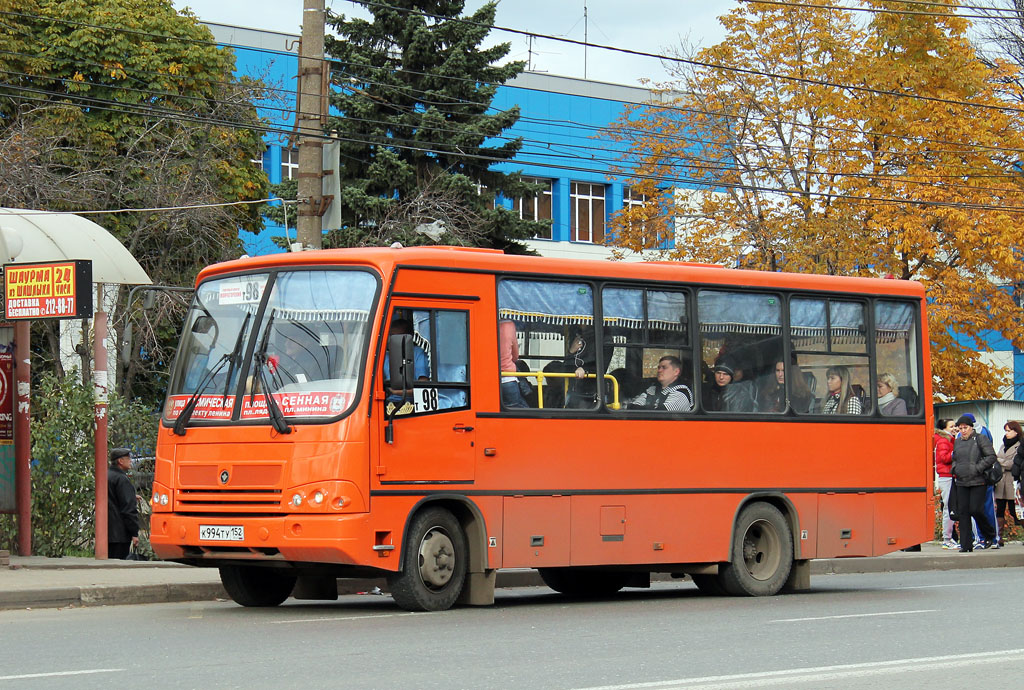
point(773, 395)
point(888, 403)
point(840, 399)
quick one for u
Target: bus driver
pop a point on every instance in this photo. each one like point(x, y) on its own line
point(669, 393)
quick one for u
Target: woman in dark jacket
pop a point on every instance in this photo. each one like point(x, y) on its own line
point(972, 455)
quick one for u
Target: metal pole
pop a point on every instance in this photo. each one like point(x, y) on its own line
point(99, 377)
point(22, 438)
point(312, 69)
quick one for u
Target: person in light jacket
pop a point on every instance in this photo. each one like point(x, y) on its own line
point(972, 454)
point(1003, 491)
point(888, 403)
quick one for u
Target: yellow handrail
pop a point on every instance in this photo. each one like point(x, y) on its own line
point(541, 375)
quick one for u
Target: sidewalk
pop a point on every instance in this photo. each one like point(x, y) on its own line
point(36, 582)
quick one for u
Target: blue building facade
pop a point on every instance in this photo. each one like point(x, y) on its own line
point(560, 121)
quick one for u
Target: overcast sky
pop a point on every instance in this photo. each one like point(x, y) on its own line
point(652, 26)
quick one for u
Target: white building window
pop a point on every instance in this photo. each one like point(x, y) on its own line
point(631, 198)
point(536, 207)
point(289, 163)
point(586, 212)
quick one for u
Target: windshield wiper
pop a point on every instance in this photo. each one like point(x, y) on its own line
point(273, 409)
point(186, 413)
point(236, 356)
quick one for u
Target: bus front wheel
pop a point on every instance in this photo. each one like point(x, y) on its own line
point(434, 567)
point(251, 586)
point(762, 553)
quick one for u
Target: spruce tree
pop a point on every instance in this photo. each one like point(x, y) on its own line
point(413, 88)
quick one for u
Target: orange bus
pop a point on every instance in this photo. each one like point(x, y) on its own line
point(434, 414)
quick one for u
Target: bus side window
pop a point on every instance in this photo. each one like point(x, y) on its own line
point(741, 343)
point(646, 326)
point(442, 374)
point(829, 340)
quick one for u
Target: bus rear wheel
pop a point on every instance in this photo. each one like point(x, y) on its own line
point(434, 567)
point(252, 586)
point(762, 553)
point(574, 582)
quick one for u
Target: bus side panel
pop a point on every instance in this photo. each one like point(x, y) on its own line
point(666, 528)
point(535, 531)
point(845, 525)
point(897, 520)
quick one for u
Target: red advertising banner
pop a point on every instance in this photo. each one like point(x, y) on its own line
point(306, 404)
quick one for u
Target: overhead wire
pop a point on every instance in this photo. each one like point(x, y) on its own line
point(390, 142)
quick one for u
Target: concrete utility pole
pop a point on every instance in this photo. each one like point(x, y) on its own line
point(313, 74)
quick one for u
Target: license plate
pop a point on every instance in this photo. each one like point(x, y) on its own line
point(221, 533)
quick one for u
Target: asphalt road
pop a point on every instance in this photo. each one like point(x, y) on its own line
point(920, 629)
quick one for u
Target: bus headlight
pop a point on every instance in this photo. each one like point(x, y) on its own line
point(164, 499)
point(318, 497)
point(297, 500)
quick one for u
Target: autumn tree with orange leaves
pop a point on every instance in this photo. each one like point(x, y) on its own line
point(821, 140)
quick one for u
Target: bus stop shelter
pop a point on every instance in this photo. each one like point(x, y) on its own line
point(28, 236)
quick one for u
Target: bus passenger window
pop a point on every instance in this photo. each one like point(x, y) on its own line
point(652, 362)
point(829, 340)
point(741, 343)
point(555, 359)
point(896, 353)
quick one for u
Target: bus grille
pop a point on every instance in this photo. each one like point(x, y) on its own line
point(228, 499)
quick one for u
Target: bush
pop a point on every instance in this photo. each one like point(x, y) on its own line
point(63, 487)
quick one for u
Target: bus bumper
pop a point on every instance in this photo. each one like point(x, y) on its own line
point(339, 539)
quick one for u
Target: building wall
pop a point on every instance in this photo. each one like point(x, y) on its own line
point(560, 121)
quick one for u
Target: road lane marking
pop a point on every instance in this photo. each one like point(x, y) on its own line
point(958, 584)
point(851, 615)
point(83, 672)
point(816, 673)
point(322, 619)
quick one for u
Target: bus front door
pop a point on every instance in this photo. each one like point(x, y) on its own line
point(432, 439)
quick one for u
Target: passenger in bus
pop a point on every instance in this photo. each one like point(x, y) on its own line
point(840, 398)
point(553, 390)
point(669, 392)
point(773, 395)
point(727, 395)
point(292, 358)
point(508, 355)
point(581, 360)
point(888, 403)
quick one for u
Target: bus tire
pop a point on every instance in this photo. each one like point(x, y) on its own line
point(434, 568)
point(252, 586)
point(761, 554)
point(574, 582)
point(709, 584)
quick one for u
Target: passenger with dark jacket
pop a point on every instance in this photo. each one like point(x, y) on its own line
point(122, 512)
point(972, 455)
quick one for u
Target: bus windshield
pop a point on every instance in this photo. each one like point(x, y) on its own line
point(300, 336)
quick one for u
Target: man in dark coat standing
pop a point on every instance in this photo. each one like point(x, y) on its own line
point(122, 512)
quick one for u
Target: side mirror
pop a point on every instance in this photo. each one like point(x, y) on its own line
point(203, 324)
point(402, 372)
point(126, 349)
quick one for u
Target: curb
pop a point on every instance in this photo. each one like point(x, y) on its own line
point(110, 595)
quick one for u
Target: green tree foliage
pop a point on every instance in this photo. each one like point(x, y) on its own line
point(828, 145)
point(115, 104)
point(63, 486)
point(415, 91)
